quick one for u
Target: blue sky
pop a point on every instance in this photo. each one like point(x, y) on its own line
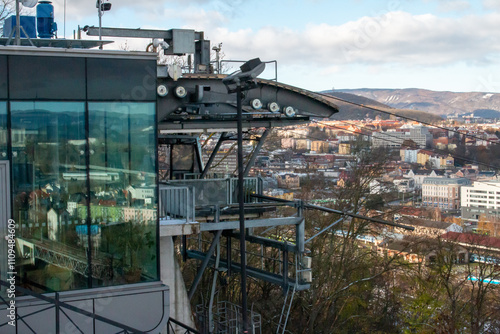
point(433, 44)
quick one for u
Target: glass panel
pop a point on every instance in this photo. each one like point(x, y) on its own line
point(105, 79)
point(3, 77)
point(3, 131)
point(58, 78)
point(49, 194)
point(123, 188)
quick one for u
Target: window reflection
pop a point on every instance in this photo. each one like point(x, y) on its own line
point(52, 199)
point(48, 145)
point(3, 131)
point(123, 200)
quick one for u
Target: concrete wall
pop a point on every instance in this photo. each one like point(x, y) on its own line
point(180, 306)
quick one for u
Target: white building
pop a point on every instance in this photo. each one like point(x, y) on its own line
point(420, 135)
point(409, 155)
point(480, 198)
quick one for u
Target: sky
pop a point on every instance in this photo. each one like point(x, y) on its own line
point(443, 45)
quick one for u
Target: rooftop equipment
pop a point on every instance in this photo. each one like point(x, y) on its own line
point(27, 23)
point(46, 26)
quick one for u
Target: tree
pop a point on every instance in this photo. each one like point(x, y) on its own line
point(7, 8)
point(450, 294)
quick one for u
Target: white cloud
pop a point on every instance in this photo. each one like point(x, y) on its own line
point(151, 9)
point(398, 37)
point(454, 5)
point(491, 4)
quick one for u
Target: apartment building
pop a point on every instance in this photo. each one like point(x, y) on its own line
point(420, 135)
point(443, 193)
point(481, 198)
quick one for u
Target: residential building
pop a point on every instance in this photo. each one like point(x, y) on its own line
point(443, 193)
point(481, 198)
point(395, 138)
point(303, 144)
point(320, 146)
point(420, 174)
point(427, 228)
point(288, 181)
point(345, 148)
point(409, 155)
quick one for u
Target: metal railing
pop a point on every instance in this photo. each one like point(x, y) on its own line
point(207, 192)
point(61, 310)
point(173, 327)
point(177, 203)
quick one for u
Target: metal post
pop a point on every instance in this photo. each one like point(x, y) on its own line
point(262, 139)
point(212, 156)
point(18, 24)
point(204, 264)
point(228, 253)
point(99, 13)
point(57, 313)
point(241, 202)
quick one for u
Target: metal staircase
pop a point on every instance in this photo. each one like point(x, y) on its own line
point(285, 311)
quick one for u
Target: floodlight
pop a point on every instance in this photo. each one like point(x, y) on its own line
point(105, 7)
point(245, 78)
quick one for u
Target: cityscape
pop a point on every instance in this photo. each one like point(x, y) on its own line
point(153, 180)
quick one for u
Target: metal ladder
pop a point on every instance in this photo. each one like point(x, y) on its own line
point(287, 306)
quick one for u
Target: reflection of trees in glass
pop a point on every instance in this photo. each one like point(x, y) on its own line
point(48, 139)
point(123, 144)
point(131, 244)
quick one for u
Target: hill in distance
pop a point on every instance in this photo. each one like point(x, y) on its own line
point(349, 111)
point(437, 103)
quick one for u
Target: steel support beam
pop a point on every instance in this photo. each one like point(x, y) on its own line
point(250, 162)
point(199, 155)
point(253, 272)
point(232, 225)
point(136, 33)
point(281, 245)
point(213, 155)
point(204, 264)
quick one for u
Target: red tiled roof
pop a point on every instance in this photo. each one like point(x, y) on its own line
point(473, 239)
point(410, 211)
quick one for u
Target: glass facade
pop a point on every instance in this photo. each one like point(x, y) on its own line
point(48, 145)
point(84, 184)
point(123, 186)
point(3, 131)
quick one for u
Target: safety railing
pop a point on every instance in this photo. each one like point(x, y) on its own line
point(177, 327)
point(177, 202)
point(208, 192)
point(62, 310)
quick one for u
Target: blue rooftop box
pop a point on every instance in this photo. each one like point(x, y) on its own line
point(27, 22)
